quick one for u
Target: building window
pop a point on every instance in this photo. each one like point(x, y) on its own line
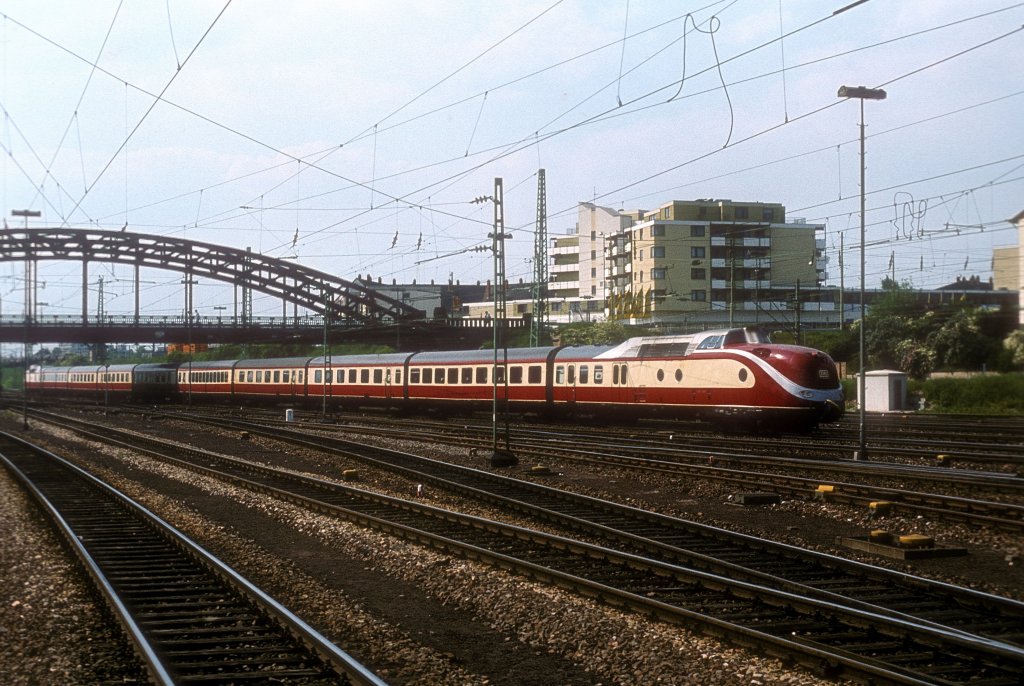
point(657, 230)
point(741, 213)
point(658, 273)
point(697, 231)
point(698, 274)
point(697, 251)
point(593, 290)
point(658, 251)
point(593, 272)
point(698, 296)
point(593, 235)
point(593, 254)
point(666, 213)
point(641, 254)
point(768, 214)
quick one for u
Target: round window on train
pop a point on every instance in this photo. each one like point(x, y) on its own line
point(679, 375)
point(743, 375)
point(661, 375)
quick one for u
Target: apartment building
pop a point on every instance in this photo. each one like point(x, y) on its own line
point(577, 286)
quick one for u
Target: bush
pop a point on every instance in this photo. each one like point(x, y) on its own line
point(990, 394)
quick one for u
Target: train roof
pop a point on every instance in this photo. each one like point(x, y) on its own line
point(94, 368)
point(273, 363)
point(581, 352)
point(207, 364)
point(520, 355)
point(683, 344)
point(366, 360)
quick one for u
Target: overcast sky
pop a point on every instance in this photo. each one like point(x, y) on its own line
point(354, 135)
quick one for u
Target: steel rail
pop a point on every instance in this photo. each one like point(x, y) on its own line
point(140, 565)
point(824, 636)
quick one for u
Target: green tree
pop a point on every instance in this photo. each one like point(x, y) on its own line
point(1014, 346)
point(915, 359)
point(958, 343)
point(597, 333)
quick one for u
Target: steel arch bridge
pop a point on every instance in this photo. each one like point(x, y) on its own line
point(340, 300)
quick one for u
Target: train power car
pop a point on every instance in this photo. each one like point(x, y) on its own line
point(733, 377)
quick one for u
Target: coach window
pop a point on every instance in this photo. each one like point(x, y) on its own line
point(453, 375)
point(615, 375)
point(559, 375)
point(302, 374)
point(248, 376)
point(467, 375)
point(584, 373)
point(534, 374)
point(318, 376)
point(499, 375)
point(428, 375)
point(284, 376)
point(398, 376)
point(277, 376)
point(598, 374)
point(661, 375)
point(481, 375)
point(378, 375)
point(414, 375)
point(351, 376)
point(515, 374)
point(364, 376)
point(679, 375)
point(622, 375)
point(572, 375)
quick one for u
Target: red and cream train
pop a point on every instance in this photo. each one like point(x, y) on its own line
point(734, 376)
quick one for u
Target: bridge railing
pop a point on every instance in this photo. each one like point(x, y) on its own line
point(313, 321)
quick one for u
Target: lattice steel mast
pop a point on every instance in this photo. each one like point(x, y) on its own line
point(539, 322)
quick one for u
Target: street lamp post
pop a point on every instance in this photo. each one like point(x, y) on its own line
point(862, 94)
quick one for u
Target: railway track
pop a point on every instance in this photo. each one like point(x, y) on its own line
point(816, 628)
point(189, 617)
point(1002, 514)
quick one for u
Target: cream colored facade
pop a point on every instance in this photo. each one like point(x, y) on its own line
point(716, 261)
point(576, 264)
point(1008, 267)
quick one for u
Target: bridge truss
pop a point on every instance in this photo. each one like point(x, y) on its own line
point(340, 300)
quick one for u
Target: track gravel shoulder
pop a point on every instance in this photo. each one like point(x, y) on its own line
point(423, 618)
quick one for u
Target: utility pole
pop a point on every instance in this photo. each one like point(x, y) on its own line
point(842, 286)
point(538, 325)
point(29, 288)
point(499, 458)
